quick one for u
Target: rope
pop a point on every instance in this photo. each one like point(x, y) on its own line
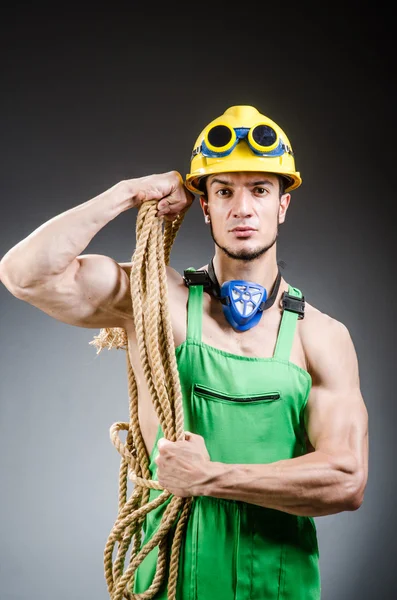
point(149, 294)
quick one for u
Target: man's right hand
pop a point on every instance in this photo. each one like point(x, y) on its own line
point(168, 189)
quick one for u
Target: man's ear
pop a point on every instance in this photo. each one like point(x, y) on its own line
point(284, 203)
point(204, 204)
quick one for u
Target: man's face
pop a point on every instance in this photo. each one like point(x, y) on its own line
point(244, 200)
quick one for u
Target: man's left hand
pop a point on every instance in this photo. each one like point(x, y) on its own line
point(182, 466)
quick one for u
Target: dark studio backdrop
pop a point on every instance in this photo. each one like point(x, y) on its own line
point(89, 99)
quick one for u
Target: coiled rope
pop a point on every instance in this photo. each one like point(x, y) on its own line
point(148, 281)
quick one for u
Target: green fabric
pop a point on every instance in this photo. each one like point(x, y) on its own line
point(249, 410)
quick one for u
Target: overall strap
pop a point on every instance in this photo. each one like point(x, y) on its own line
point(194, 312)
point(287, 326)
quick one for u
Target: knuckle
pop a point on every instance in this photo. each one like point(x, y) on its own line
point(176, 176)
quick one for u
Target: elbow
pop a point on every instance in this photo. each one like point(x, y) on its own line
point(355, 494)
point(7, 279)
point(353, 482)
point(355, 502)
point(15, 279)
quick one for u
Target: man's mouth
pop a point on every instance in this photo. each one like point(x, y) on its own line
point(243, 232)
point(243, 229)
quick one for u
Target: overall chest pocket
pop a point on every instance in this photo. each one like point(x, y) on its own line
point(237, 428)
point(215, 395)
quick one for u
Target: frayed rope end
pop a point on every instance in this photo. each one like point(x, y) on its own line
point(110, 338)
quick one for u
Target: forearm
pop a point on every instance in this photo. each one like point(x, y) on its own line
point(53, 246)
point(309, 485)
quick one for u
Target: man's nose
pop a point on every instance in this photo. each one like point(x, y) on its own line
point(242, 205)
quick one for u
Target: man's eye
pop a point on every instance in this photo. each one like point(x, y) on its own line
point(223, 192)
point(261, 190)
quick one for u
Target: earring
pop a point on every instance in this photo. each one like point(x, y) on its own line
point(207, 219)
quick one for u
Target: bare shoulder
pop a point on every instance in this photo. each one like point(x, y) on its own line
point(328, 347)
point(174, 278)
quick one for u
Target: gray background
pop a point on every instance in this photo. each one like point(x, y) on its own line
point(90, 99)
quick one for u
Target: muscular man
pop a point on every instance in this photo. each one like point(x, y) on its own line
point(271, 384)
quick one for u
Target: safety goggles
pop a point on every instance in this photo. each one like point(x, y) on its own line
point(221, 140)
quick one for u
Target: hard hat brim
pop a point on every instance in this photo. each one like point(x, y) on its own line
point(193, 179)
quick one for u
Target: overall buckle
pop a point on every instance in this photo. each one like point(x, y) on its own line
point(294, 304)
point(197, 278)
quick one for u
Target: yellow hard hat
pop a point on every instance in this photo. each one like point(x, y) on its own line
point(242, 139)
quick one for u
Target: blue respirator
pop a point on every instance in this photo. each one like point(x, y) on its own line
point(243, 302)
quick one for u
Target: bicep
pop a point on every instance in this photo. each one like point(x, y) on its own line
point(93, 292)
point(336, 417)
point(337, 425)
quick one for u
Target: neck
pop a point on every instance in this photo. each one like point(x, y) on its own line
point(262, 270)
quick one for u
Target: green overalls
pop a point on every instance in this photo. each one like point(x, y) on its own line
point(249, 410)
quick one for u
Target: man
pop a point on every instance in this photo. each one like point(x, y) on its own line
point(271, 385)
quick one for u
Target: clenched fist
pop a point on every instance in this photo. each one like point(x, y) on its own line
point(168, 189)
point(182, 467)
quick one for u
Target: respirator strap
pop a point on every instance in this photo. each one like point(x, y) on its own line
point(211, 285)
point(217, 291)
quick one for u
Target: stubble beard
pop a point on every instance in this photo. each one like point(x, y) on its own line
point(245, 254)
